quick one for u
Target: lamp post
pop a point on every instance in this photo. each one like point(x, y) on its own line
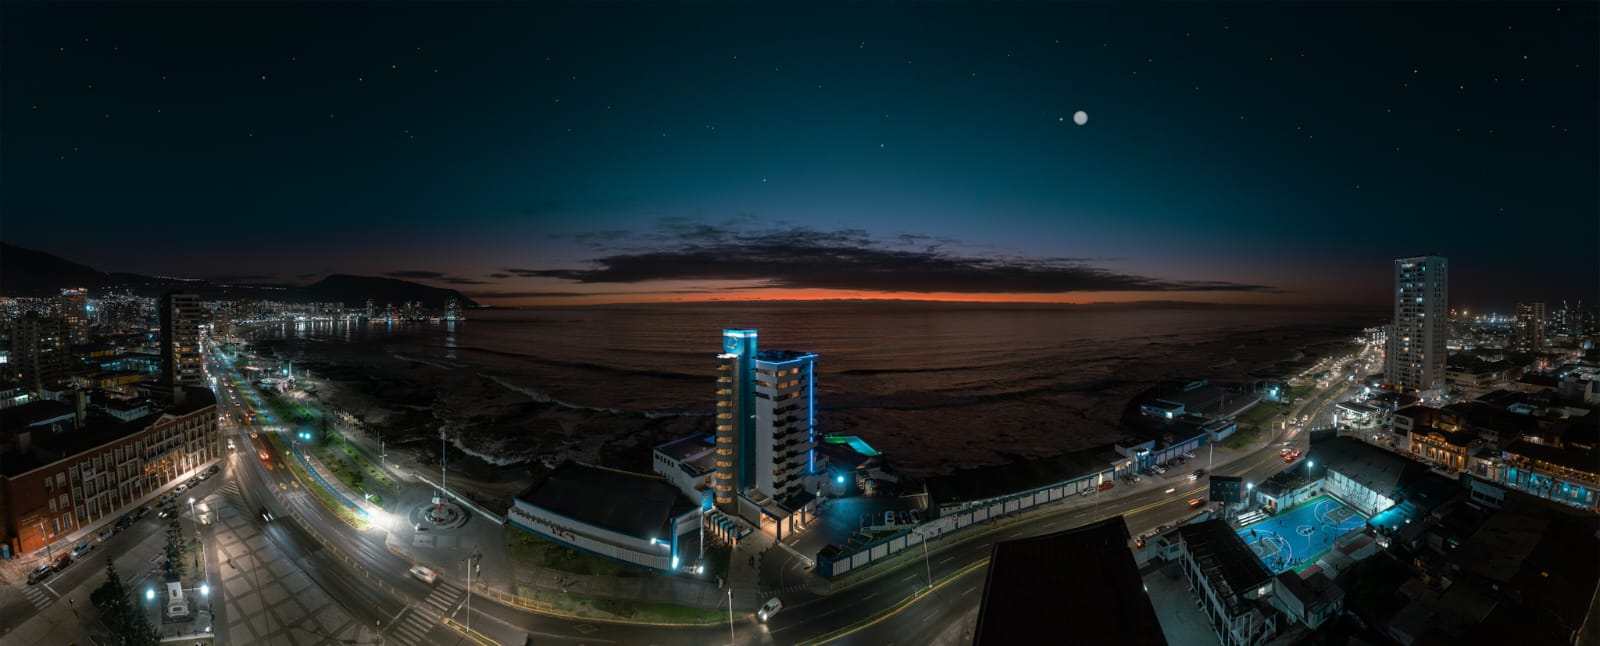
point(925, 565)
point(731, 639)
point(472, 562)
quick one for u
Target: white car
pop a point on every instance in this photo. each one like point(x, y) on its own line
point(768, 609)
point(428, 576)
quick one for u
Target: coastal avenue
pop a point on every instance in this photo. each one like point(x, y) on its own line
point(919, 622)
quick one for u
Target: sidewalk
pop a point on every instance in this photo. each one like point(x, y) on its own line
point(19, 564)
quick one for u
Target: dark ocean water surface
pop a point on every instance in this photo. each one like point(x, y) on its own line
point(934, 386)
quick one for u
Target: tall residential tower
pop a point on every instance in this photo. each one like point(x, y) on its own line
point(1530, 326)
point(181, 318)
point(766, 432)
point(1414, 360)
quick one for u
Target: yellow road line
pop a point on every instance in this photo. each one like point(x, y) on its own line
point(897, 608)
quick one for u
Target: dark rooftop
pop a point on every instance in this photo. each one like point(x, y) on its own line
point(627, 503)
point(1226, 561)
point(780, 355)
point(1571, 457)
point(19, 417)
point(684, 448)
point(1041, 586)
point(1314, 591)
point(1372, 467)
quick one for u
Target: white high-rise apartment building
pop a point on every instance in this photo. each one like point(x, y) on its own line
point(1415, 356)
point(766, 432)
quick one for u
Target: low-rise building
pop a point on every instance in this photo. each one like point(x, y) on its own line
point(1310, 600)
point(1231, 584)
point(688, 463)
point(63, 475)
point(1162, 408)
point(1362, 475)
point(1450, 450)
point(1566, 474)
point(633, 518)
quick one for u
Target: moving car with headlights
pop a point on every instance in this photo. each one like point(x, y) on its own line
point(427, 575)
point(770, 608)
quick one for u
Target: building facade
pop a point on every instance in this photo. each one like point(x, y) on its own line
point(1530, 326)
point(765, 431)
point(56, 481)
point(1231, 585)
point(41, 357)
point(181, 318)
point(74, 306)
point(1415, 356)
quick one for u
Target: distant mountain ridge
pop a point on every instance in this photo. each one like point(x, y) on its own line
point(28, 272)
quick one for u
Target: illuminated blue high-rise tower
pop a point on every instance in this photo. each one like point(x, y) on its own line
point(766, 428)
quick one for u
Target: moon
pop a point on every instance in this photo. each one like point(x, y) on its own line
point(1080, 117)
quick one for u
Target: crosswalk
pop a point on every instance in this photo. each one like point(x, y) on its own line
point(231, 492)
point(418, 620)
point(37, 596)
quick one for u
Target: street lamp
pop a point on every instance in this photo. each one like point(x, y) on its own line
point(731, 638)
point(925, 561)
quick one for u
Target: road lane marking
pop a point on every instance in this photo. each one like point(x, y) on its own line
point(968, 591)
point(870, 596)
point(947, 559)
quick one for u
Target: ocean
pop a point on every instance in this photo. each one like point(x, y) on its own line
point(936, 387)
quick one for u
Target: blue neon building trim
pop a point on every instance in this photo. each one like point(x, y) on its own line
point(811, 413)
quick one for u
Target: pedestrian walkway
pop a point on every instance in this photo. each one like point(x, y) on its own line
point(37, 596)
point(418, 620)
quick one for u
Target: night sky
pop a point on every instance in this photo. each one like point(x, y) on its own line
point(525, 154)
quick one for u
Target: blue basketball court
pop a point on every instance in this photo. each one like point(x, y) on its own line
point(1296, 538)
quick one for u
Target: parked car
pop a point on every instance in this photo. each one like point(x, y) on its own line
point(770, 608)
point(181, 488)
point(193, 481)
point(40, 573)
point(61, 562)
point(143, 511)
point(83, 548)
point(427, 575)
point(213, 470)
point(169, 498)
point(126, 522)
point(1196, 502)
point(105, 534)
point(169, 512)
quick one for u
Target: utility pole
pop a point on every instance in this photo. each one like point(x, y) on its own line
point(925, 565)
point(471, 561)
point(731, 639)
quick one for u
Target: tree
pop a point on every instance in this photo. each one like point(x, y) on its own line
point(176, 542)
point(126, 620)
